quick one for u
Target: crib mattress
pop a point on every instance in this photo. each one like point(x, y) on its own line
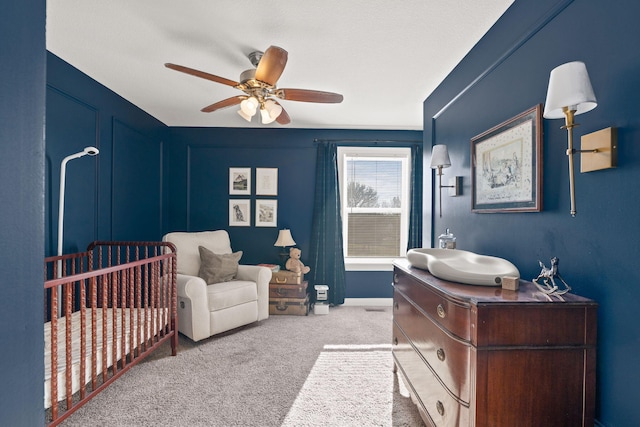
point(149, 329)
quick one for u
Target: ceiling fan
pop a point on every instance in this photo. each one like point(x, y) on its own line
point(259, 86)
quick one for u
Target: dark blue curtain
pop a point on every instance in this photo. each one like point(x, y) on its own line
point(415, 212)
point(327, 257)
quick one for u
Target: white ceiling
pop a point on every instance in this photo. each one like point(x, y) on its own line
point(385, 57)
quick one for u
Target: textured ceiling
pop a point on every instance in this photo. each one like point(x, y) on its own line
point(385, 57)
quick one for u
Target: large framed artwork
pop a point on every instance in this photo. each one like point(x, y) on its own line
point(266, 213)
point(240, 181)
point(506, 165)
point(239, 212)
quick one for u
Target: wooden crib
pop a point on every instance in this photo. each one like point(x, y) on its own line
point(105, 310)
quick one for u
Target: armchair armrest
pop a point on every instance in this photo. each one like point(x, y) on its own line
point(262, 277)
point(193, 311)
point(254, 273)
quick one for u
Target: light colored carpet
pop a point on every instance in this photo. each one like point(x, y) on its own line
point(257, 376)
point(348, 386)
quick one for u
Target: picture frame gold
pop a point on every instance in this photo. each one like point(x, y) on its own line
point(506, 165)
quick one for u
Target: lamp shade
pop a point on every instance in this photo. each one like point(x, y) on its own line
point(266, 118)
point(273, 108)
point(569, 86)
point(440, 156)
point(244, 115)
point(284, 238)
point(249, 106)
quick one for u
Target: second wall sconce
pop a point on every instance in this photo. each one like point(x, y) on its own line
point(569, 94)
point(440, 160)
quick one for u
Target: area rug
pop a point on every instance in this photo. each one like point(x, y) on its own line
point(349, 385)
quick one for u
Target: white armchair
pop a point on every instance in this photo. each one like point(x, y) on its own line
point(208, 309)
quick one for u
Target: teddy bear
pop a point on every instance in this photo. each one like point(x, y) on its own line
point(294, 263)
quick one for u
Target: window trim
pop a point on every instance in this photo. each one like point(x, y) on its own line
point(404, 153)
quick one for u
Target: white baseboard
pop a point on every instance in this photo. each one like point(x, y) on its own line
point(369, 302)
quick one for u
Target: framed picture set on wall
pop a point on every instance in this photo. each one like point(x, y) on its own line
point(506, 165)
point(266, 181)
point(240, 181)
point(239, 213)
point(266, 213)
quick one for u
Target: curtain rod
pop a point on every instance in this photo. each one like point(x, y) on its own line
point(368, 141)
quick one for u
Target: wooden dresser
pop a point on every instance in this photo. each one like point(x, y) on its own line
point(484, 356)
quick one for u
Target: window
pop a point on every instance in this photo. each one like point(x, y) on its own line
point(374, 191)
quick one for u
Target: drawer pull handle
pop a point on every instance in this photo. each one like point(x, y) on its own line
point(396, 305)
point(395, 278)
point(395, 340)
point(440, 354)
point(440, 408)
point(441, 312)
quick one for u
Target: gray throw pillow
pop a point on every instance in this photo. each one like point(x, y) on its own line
point(216, 268)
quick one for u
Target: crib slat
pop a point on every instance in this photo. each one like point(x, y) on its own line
point(54, 350)
point(114, 321)
point(103, 329)
point(83, 339)
point(138, 304)
point(68, 343)
point(123, 285)
point(132, 331)
point(94, 328)
point(155, 294)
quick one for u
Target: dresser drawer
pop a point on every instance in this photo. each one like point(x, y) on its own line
point(449, 357)
point(452, 316)
point(442, 408)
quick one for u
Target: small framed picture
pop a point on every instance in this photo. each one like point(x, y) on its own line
point(239, 213)
point(266, 213)
point(240, 181)
point(266, 181)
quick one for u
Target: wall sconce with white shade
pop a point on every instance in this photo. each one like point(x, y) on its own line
point(570, 94)
point(440, 160)
point(284, 239)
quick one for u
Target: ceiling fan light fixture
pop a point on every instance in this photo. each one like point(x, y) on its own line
point(266, 117)
point(249, 106)
point(273, 108)
point(245, 115)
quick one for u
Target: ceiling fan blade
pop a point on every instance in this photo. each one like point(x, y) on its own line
point(305, 95)
point(201, 74)
point(229, 102)
point(271, 65)
point(283, 118)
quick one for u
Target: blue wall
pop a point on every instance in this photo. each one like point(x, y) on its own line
point(197, 183)
point(507, 73)
point(116, 195)
point(22, 95)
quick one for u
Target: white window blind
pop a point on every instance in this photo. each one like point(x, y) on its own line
point(374, 188)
